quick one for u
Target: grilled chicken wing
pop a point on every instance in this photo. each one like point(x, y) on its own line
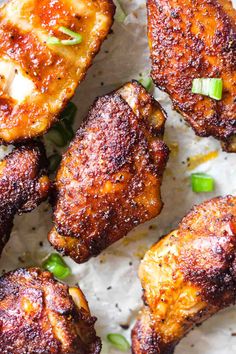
point(187, 276)
point(196, 39)
point(23, 185)
point(41, 315)
point(109, 180)
point(37, 79)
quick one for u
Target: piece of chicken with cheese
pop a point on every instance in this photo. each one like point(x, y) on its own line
point(23, 185)
point(39, 315)
point(41, 63)
point(187, 277)
point(109, 179)
point(192, 39)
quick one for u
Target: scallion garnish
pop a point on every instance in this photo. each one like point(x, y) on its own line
point(57, 136)
point(54, 162)
point(201, 182)
point(68, 131)
point(69, 113)
point(211, 87)
point(57, 266)
point(118, 341)
point(62, 133)
point(147, 83)
point(76, 38)
point(120, 15)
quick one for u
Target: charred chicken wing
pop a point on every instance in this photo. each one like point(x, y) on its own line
point(109, 179)
point(42, 62)
point(23, 185)
point(187, 277)
point(196, 39)
point(39, 315)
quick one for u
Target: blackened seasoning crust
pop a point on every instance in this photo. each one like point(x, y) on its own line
point(188, 276)
point(23, 185)
point(39, 315)
point(196, 39)
point(110, 177)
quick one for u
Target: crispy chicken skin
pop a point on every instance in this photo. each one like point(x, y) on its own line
point(187, 276)
point(196, 39)
point(109, 179)
point(38, 79)
point(23, 185)
point(39, 315)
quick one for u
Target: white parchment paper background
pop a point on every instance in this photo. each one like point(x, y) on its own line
point(110, 281)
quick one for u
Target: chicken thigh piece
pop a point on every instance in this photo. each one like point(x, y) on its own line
point(187, 277)
point(23, 185)
point(46, 48)
point(39, 315)
point(110, 177)
point(194, 39)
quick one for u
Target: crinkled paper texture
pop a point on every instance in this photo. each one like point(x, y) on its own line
point(110, 281)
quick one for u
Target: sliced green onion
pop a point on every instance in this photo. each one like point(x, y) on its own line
point(208, 87)
point(57, 136)
point(53, 41)
point(62, 133)
point(202, 182)
point(120, 15)
point(57, 266)
point(54, 162)
point(76, 38)
point(69, 132)
point(216, 89)
point(118, 341)
point(69, 113)
point(147, 83)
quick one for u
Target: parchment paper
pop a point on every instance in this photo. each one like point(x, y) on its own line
point(110, 281)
